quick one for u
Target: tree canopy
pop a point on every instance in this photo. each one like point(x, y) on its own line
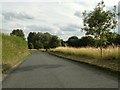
point(18, 32)
point(42, 40)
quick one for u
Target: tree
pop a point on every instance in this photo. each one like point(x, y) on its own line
point(31, 39)
point(54, 42)
point(42, 40)
point(116, 40)
point(46, 45)
point(99, 22)
point(62, 43)
point(18, 32)
point(86, 41)
point(110, 38)
point(73, 41)
point(47, 37)
point(30, 45)
point(38, 45)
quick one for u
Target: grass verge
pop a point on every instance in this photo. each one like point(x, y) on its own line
point(91, 56)
point(14, 51)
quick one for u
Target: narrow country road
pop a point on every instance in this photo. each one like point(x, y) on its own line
point(42, 70)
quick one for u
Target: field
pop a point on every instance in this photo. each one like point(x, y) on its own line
point(92, 56)
point(14, 50)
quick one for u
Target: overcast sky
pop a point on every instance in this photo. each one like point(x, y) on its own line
point(59, 17)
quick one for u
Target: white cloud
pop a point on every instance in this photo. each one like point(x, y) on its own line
point(54, 16)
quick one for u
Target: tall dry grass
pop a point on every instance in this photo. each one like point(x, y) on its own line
point(109, 53)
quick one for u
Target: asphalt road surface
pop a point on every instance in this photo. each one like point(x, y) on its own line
point(42, 70)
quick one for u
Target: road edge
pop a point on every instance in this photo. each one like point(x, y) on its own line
point(104, 68)
point(4, 76)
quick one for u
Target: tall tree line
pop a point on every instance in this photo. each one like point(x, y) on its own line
point(112, 39)
point(42, 40)
point(46, 40)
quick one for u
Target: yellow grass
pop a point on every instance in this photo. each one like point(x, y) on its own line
point(109, 53)
point(110, 59)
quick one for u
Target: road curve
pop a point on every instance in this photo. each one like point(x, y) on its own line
point(42, 70)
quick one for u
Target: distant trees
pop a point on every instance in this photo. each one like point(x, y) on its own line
point(18, 32)
point(73, 41)
point(63, 43)
point(46, 40)
point(54, 42)
point(42, 40)
point(116, 40)
point(30, 45)
point(112, 39)
point(85, 41)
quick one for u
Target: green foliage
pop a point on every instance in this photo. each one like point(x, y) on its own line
point(73, 41)
point(54, 42)
point(14, 50)
point(99, 22)
point(46, 45)
point(63, 43)
point(38, 45)
point(18, 32)
point(30, 45)
point(112, 39)
point(43, 40)
point(87, 41)
point(116, 40)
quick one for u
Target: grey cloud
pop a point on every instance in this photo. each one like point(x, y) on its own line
point(6, 31)
point(78, 14)
point(70, 27)
point(39, 28)
point(11, 16)
point(81, 3)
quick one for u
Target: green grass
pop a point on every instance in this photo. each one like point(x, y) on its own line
point(14, 50)
point(110, 59)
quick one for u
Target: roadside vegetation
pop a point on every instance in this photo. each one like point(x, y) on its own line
point(14, 50)
point(109, 53)
point(110, 59)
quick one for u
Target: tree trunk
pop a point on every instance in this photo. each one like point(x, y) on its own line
point(101, 51)
point(101, 48)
